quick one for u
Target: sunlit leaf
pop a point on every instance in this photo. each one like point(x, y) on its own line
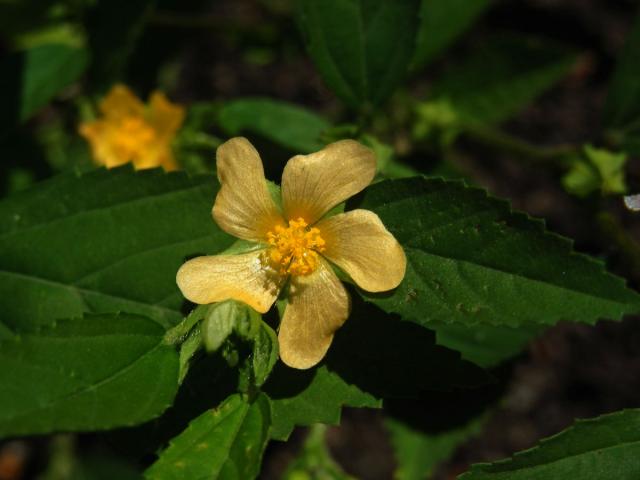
point(226, 443)
point(97, 372)
point(471, 260)
point(105, 241)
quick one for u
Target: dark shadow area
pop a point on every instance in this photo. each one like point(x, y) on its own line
point(208, 383)
point(11, 83)
point(390, 358)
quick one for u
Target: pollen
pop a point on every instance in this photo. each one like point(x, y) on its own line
point(294, 249)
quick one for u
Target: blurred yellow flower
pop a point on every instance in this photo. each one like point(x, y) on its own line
point(296, 242)
point(129, 131)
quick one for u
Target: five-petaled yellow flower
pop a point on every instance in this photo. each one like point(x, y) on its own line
point(129, 131)
point(296, 242)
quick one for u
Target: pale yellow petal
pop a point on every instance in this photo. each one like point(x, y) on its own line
point(241, 277)
point(318, 305)
point(243, 207)
point(313, 184)
point(165, 117)
point(359, 244)
point(121, 102)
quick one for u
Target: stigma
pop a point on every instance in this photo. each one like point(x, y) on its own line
point(294, 249)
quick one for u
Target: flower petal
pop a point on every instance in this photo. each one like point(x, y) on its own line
point(243, 208)
point(318, 306)
point(313, 184)
point(165, 117)
point(221, 277)
point(121, 102)
point(359, 243)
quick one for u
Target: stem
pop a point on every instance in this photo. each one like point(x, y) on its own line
point(616, 234)
point(503, 141)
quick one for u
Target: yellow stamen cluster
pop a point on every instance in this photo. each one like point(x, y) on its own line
point(294, 249)
point(132, 137)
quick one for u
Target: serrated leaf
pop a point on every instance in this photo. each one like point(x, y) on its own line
point(441, 22)
point(226, 443)
point(104, 241)
point(362, 48)
point(501, 77)
point(471, 260)
point(418, 453)
point(601, 448)
point(305, 397)
point(283, 123)
point(92, 373)
point(31, 78)
point(485, 345)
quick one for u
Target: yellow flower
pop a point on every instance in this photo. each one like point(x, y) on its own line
point(296, 242)
point(128, 131)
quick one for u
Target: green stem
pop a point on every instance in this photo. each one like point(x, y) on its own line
point(616, 234)
point(503, 141)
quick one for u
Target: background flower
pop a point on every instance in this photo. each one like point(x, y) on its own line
point(129, 131)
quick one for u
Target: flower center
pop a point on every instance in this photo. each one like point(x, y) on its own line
point(133, 136)
point(294, 249)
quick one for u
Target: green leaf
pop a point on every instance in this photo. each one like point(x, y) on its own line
point(501, 77)
point(358, 374)
point(31, 78)
point(471, 260)
point(226, 443)
point(105, 241)
point(314, 462)
point(305, 397)
point(362, 48)
point(441, 22)
point(601, 448)
point(598, 169)
point(622, 108)
point(285, 124)
point(418, 453)
point(98, 372)
point(485, 345)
